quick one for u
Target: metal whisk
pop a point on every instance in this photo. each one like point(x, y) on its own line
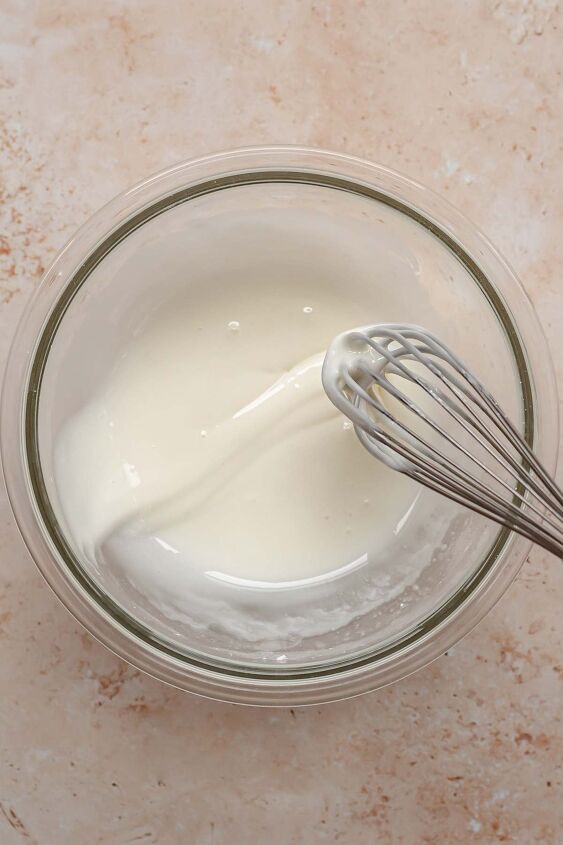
point(418, 408)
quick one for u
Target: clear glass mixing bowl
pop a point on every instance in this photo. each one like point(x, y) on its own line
point(364, 220)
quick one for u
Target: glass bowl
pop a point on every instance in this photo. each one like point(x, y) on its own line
point(289, 210)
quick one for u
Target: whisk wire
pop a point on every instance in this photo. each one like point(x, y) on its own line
point(453, 384)
point(534, 505)
point(505, 459)
point(438, 481)
point(483, 398)
point(453, 473)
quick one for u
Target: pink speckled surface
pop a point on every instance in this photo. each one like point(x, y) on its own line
point(466, 97)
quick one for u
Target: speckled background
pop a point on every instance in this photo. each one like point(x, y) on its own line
point(465, 96)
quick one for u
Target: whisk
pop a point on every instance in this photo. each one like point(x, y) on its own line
point(421, 411)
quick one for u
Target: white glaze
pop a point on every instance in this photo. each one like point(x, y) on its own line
point(256, 477)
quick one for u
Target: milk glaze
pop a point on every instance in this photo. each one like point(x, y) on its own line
point(249, 475)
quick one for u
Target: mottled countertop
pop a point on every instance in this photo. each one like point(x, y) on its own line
point(467, 98)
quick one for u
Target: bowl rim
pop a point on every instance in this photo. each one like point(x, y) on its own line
point(29, 352)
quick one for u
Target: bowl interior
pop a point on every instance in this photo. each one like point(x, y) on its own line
point(383, 263)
